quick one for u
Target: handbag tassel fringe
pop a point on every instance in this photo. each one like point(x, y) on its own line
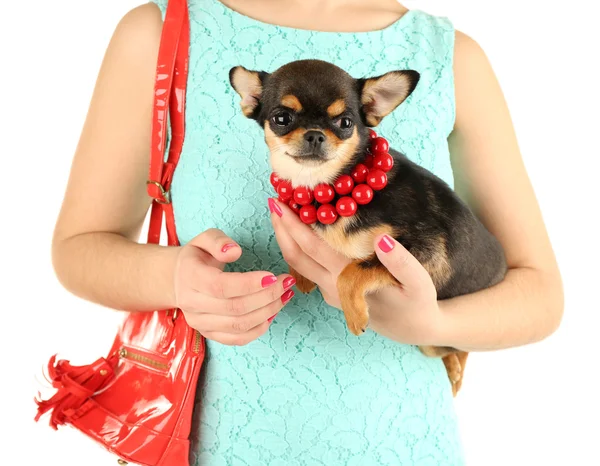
point(75, 384)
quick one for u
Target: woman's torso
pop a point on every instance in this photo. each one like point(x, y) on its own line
point(308, 392)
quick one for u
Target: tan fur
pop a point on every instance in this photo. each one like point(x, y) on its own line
point(291, 101)
point(358, 245)
point(438, 266)
point(248, 85)
point(302, 283)
point(353, 284)
point(373, 120)
point(333, 139)
point(453, 359)
point(336, 108)
point(436, 351)
point(455, 367)
point(375, 94)
point(287, 143)
point(293, 139)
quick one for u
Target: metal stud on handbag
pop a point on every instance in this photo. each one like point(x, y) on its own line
point(138, 400)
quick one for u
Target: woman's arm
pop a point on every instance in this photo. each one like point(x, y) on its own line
point(94, 250)
point(490, 176)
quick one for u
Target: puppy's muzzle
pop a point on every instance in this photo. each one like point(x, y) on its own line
point(314, 140)
point(313, 146)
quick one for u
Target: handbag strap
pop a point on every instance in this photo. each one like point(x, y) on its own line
point(168, 108)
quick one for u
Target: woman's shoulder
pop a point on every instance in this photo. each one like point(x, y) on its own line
point(133, 48)
point(466, 45)
point(474, 75)
point(141, 22)
point(136, 36)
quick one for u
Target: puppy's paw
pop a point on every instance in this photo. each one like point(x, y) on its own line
point(303, 284)
point(455, 367)
point(353, 284)
point(454, 361)
point(357, 318)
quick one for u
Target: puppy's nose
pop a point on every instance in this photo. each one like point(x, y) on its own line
point(314, 138)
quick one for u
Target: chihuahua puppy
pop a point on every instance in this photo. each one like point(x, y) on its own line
point(316, 119)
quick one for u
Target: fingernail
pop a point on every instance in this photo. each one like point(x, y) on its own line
point(270, 319)
point(273, 207)
point(289, 282)
point(227, 247)
point(268, 280)
point(285, 297)
point(386, 244)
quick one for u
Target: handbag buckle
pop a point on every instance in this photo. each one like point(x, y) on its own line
point(166, 195)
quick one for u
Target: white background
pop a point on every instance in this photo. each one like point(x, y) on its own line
point(529, 406)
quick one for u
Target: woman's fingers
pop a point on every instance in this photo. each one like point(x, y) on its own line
point(242, 323)
point(217, 244)
point(217, 284)
point(273, 289)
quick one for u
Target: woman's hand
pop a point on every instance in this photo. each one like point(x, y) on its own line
point(229, 307)
point(306, 253)
point(408, 313)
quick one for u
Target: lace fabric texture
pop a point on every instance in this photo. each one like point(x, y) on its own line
point(308, 392)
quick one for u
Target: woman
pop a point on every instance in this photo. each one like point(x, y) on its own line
point(284, 382)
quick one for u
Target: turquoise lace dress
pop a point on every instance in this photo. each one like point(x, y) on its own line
point(308, 392)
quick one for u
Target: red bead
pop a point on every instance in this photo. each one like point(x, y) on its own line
point(360, 173)
point(372, 134)
point(285, 190)
point(346, 206)
point(308, 214)
point(327, 214)
point(303, 195)
point(384, 162)
point(377, 179)
point(369, 161)
point(344, 185)
point(294, 206)
point(324, 193)
point(274, 180)
point(362, 194)
point(379, 146)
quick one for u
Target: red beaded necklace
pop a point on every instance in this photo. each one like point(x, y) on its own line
point(354, 189)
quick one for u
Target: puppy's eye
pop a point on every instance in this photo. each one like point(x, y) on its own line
point(283, 118)
point(344, 123)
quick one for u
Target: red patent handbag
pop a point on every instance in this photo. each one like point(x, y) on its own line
point(137, 401)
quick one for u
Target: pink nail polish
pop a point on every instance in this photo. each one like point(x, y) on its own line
point(268, 280)
point(285, 297)
point(289, 282)
point(270, 319)
point(227, 247)
point(273, 207)
point(386, 244)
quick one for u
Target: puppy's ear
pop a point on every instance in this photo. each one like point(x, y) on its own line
point(249, 85)
point(382, 94)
